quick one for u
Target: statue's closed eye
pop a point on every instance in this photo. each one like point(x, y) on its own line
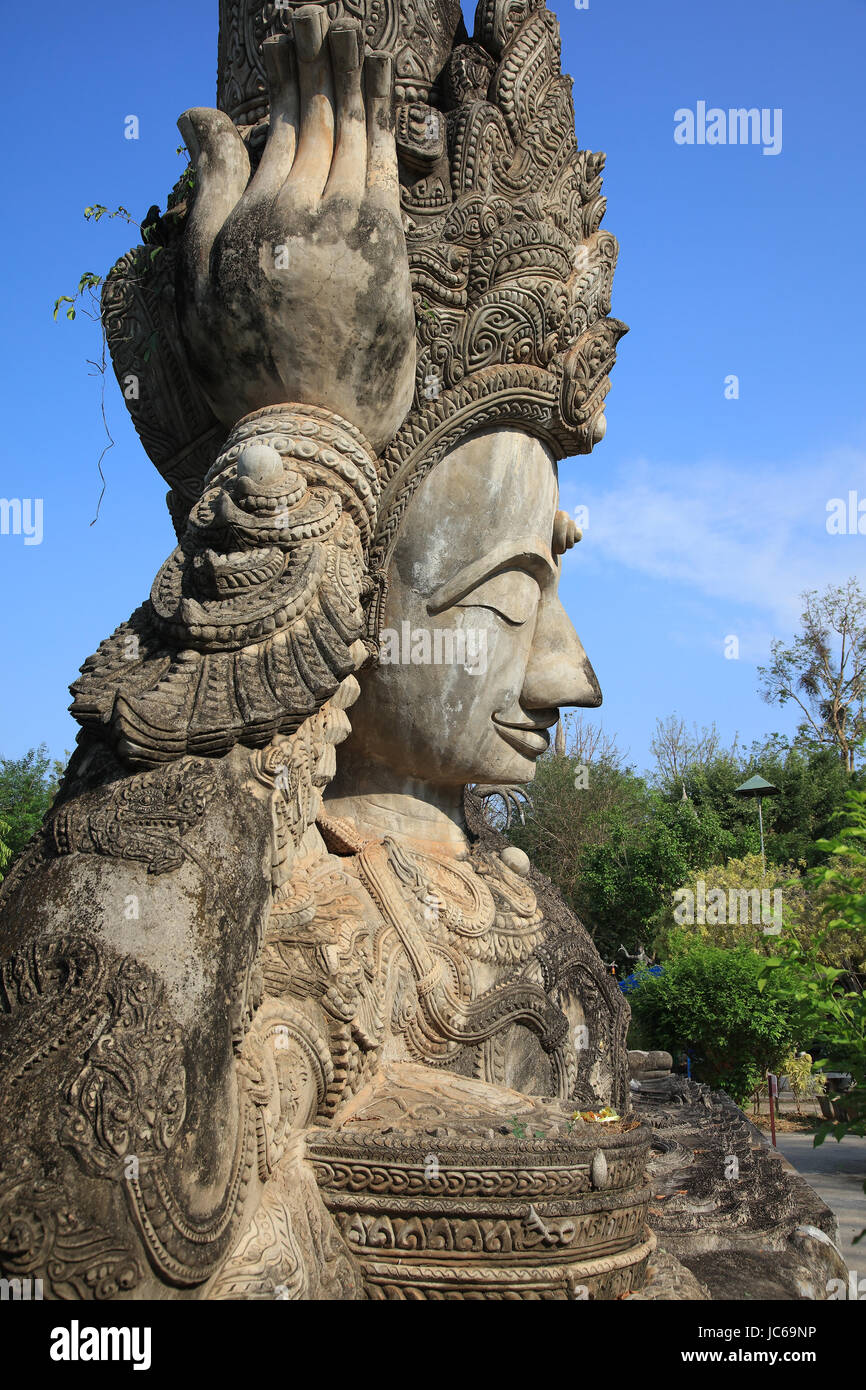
point(513, 594)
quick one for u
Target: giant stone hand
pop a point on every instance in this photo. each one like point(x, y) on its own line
point(294, 284)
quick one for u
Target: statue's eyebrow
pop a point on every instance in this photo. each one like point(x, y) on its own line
point(529, 554)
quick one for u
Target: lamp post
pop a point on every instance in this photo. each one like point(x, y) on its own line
point(758, 787)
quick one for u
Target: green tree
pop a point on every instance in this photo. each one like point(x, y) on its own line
point(823, 671)
point(827, 1000)
point(812, 784)
point(28, 786)
point(612, 844)
point(617, 845)
point(737, 917)
point(5, 851)
point(679, 750)
point(628, 876)
point(571, 805)
point(709, 1001)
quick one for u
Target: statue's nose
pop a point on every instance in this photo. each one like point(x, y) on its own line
point(559, 671)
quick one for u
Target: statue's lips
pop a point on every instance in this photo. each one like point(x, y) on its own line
point(530, 741)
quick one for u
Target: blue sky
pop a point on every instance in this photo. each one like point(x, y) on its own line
point(707, 516)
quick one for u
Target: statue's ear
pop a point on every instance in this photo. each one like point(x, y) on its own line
point(257, 617)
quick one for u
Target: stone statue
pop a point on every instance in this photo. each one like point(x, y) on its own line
point(280, 1016)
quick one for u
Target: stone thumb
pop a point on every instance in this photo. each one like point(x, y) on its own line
point(222, 170)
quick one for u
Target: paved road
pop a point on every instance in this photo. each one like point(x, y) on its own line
point(836, 1172)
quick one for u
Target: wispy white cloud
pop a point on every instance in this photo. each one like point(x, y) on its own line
point(755, 535)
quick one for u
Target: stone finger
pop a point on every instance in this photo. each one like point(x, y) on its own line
point(309, 174)
point(382, 176)
point(349, 168)
point(278, 155)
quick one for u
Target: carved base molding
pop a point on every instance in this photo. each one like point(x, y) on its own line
point(447, 1188)
point(577, 1280)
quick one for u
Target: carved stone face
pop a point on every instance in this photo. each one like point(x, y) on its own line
point(478, 653)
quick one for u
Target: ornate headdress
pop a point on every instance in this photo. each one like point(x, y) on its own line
point(511, 278)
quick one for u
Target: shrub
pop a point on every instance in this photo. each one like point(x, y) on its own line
point(27, 788)
point(708, 1001)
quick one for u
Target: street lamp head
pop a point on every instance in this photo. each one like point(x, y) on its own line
point(757, 786)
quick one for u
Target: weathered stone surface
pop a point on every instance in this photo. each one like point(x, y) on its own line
point(256, 618)
point(448, 1188)
point(294, 284)
point(728, 1207)
point(371, 330)
point(255, 992)
point(510, 272)
point(141, 1098)
point(667, 1280)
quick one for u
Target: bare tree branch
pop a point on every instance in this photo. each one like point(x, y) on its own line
point(831, 676)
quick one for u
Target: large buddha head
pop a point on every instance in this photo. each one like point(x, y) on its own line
point(476, 652)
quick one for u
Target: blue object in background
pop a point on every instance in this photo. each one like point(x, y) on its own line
point(632, 981)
